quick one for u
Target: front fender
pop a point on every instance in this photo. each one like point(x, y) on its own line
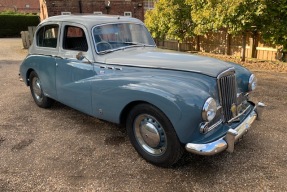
point(181, 100)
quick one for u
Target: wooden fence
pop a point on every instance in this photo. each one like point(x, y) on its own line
point(223, 43)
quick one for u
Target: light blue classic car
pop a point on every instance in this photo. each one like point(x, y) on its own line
point(109, 67)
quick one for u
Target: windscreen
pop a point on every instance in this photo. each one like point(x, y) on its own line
point(121, 35)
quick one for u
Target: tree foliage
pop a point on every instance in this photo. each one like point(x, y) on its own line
point(235, 16)
point(274, 29)
point(170, 19)
point(156, 20)
point(179, 19)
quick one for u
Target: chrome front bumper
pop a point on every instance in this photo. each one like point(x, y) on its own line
point(227, 142)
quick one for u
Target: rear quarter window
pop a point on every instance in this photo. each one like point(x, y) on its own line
point(47, 36)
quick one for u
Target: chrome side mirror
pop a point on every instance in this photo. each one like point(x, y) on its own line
point(80, 56)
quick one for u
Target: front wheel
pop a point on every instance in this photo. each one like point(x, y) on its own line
point(153, 136)
point(37, 93)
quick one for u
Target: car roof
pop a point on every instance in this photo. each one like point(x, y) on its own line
point(91, 20)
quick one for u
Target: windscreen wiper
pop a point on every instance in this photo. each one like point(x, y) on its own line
point(135, 43)
point(107, 51)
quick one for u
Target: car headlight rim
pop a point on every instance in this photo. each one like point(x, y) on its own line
point(252, 83)
point(209, 109)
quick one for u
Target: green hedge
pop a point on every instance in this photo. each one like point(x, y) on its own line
point(12, 24)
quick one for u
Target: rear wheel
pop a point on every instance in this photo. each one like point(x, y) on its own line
point(36, 90)
point(153, 136)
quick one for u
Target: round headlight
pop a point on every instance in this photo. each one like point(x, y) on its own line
point(252, 82)
point(209, 109)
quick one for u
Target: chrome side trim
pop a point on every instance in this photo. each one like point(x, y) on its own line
point(214, 125)
point(227, 142)
point(204, 128)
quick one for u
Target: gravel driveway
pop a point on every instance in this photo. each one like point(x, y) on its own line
point(61, 149)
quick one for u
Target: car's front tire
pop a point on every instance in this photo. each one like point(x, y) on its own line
point(37, 92)
point(153, 136)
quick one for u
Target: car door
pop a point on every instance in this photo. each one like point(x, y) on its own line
point(73, 75)
point(43, 62)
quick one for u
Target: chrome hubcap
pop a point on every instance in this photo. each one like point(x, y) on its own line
point(36, 85)
point(150, 134)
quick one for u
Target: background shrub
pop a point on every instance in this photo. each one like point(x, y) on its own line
point(11, 24)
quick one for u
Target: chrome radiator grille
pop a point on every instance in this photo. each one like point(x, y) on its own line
point(227, 93)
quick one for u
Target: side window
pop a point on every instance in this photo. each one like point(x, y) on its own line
point(75, 39)
point(47, 36)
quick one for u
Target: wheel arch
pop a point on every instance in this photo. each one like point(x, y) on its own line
point(184, 113)
point(172, 118)
point(125, 112)
point(28, 76)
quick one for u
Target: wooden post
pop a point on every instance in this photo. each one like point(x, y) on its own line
point(228, 43)
point(31, 30)
point(243, 46)
point(197, 48)
point(251, 47)
point(25, 39)
point(255, 39)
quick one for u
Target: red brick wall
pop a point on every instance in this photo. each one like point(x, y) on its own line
point(20, 6)
point(117, 7)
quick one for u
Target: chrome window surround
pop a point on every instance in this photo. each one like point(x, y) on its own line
point(115, 49)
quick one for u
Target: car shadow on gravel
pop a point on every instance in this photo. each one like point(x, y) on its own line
point(244, 150)
point(115, 134)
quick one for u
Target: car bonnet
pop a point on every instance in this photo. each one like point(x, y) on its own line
point(163, 59)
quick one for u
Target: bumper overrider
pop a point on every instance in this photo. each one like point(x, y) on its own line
point(232, 136)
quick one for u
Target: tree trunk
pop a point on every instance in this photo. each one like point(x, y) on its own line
point(255, 44)
point(284, 56)
point(243, 46)
point(197, 48)
point(227, 45)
